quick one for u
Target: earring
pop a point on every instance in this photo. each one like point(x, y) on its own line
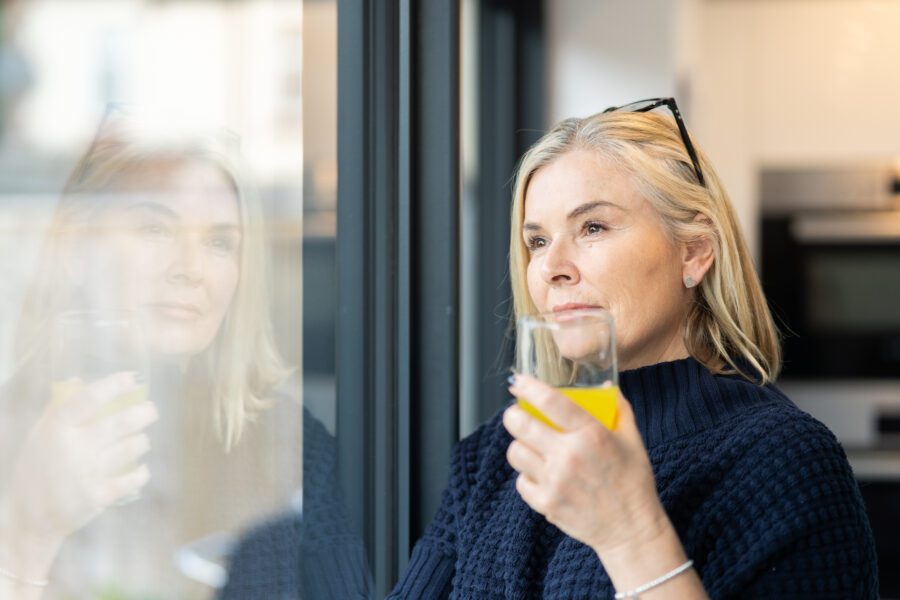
point(689, 282)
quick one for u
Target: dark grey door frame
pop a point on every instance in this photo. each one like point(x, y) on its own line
point(511, 90)
point(397, 245)
point(397, 325)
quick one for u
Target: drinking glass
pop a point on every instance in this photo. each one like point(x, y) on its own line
point(575, 352)
point(92, 344)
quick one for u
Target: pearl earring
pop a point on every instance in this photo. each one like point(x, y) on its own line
point(689, 282)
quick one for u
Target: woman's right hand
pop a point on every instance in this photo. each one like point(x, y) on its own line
point(77, 461)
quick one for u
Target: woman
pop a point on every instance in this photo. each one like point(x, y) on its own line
point(712, 484)
point(161, 224)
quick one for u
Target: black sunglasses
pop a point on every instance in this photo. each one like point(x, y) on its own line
point(652, 103)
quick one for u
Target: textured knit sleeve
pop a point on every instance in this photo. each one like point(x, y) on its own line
point(431, 566)
point(793, 524)
point(313, 554)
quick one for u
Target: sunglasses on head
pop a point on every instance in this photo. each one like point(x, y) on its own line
point(653, 103)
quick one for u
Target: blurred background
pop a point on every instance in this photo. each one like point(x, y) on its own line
point(793, 101)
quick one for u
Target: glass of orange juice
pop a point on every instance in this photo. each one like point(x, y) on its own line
point(88, 345)
point(574, 351)
point(92, 344)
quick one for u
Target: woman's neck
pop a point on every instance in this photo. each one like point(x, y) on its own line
point(667, 349)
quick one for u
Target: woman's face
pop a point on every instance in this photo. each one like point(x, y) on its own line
point(172, 253)
point(594, 241)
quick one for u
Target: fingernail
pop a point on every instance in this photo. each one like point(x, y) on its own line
point(511, 380)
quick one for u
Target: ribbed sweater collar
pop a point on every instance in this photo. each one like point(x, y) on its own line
point(680, 398)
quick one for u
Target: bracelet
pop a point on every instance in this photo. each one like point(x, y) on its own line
point(15, 578)
point(635, 593)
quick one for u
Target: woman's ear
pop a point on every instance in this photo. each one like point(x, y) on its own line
point(697, 256)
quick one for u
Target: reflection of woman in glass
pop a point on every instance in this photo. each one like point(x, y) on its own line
point(167, 229)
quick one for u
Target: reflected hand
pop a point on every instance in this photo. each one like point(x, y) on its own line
point(78, 460)
point(594, 484)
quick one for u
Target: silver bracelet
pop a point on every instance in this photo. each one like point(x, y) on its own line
point(636, 592)
point(15, 578)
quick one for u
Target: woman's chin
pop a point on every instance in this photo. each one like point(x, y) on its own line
point(179, 339)
point(175, 346)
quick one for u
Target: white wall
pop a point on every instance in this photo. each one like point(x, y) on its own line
point(603, 53)
point(823, 75)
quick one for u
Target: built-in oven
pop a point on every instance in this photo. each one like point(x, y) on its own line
point(832, 278)
point(831, 271)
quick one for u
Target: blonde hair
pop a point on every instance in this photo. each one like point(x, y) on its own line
point(242, 363)
point(729, 328)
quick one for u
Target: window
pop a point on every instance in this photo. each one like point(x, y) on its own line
point(167, 179)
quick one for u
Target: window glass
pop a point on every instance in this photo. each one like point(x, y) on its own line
point(167, 184)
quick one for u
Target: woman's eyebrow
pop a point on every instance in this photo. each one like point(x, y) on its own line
point(160, 209)
point(576, 212)
point(226, 227)
point(165, 211)
point(588, 207)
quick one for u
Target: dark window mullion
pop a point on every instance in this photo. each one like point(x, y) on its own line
point(404, 308)
point(435, 291)
point(367, 340)
point(398, 175)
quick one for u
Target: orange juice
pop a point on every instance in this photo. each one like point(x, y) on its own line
point(600, 402)
point(61, 391)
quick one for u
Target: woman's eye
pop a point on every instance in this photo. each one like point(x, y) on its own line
point(223, 244)
point(536, 243)
point(154, 230)
point(592, 228)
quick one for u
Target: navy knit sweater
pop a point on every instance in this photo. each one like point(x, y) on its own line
point(311, 556)
point(760, 493)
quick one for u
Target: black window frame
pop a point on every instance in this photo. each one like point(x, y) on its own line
point(397, 324)
point(398, 213)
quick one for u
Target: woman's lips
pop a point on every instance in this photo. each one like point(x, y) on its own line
point(573, 306)
point(176, 311)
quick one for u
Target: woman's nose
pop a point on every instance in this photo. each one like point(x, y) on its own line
point(558, 267)
point(188, 263)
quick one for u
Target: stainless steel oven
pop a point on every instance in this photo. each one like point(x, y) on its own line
point(834, 280)
point(831, 271)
